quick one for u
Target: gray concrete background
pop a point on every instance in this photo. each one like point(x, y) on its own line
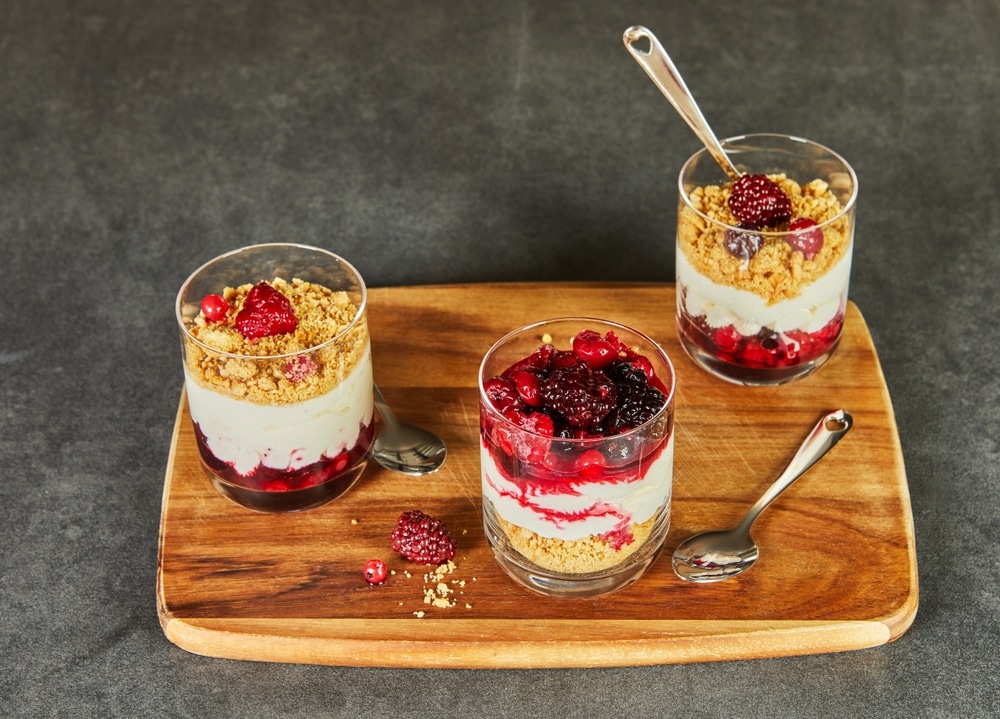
point(461, 142)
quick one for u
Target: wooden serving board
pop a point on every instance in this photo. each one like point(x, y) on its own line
point(838, 563)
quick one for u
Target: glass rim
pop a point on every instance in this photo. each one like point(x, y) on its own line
point(847, 208)
point(267, 245)
point(633, 431)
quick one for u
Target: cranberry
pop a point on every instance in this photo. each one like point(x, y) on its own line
point(215, 308)
point(528, 386)
point(595, 350)
point(806, 237)
point(376, 571)
point(727, 339)
point(743, 243)
point(590, 464)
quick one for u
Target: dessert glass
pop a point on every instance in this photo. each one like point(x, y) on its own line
point(777, 315)
point(575, 517)
point(288, 430)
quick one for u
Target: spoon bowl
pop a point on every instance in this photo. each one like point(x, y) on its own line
point(404, 448)
point(721, 554)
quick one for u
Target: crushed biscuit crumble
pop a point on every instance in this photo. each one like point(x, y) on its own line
point(577, 556)
point(254, 370)
point(777, 272)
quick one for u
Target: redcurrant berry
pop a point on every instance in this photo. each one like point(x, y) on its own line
point(215, 308)
point(376, 571)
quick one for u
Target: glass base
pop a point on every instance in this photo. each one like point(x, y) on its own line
point(753, 377)
point(557, 584)
point(295, 500)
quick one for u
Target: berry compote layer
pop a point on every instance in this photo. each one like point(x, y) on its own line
point(577, 455)
point(762, 277)
point(279, 386)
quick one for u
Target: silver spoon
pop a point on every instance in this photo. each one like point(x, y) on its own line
point(714, 556)
point(403, 447)
point(664, 74)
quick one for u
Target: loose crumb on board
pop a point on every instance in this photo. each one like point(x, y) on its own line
point(440, 589)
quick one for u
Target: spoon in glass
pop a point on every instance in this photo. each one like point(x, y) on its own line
point(664, 74)
point(718, 555)
point(403, 447)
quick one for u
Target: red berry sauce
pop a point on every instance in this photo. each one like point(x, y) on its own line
point(277, 490)
point(763, 356)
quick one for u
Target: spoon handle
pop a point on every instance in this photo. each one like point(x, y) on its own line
point(383, 408)
point(827, 432)
point(664, 74)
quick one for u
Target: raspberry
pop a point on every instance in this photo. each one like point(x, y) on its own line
point(298, 368)
point(806, 237)
point(265, 312)
point(756, 200)
point(581, 395)
point(422, 539)
point(376, 571)
point(215, 308)
point(742, 245)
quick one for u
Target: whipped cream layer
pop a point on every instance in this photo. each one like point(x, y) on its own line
point(577, 509)
point(722, 305)
point(285, 437)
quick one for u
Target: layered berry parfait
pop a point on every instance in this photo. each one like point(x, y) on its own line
point(763, 263)
point(576, 444)
point(278, 374)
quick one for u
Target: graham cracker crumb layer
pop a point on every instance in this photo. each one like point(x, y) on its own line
point(579, 556)
point(256, 374)
point(777, 272)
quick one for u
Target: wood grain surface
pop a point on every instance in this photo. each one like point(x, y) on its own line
point(838, 562)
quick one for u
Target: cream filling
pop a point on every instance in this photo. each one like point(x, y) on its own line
point(722, 305)
point(597, 507)
point(288, 436)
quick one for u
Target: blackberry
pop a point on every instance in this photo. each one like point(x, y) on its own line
point(422, 539)
point(621, 372)
point(756, 200)
point(637, 404)
point(580, 395)
point(637, 401)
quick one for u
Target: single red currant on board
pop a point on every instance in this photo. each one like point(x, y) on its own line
point(376, 571)
point(215, 308)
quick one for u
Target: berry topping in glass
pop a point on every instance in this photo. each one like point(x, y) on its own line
point(265, 313)
point(758, 201)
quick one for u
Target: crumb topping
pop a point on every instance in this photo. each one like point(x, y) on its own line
point(253, 370)
point(777, 271)
point(578, 556)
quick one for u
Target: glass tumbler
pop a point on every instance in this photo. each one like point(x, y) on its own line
point(569, 511)
point(282, 409)
point(765, 304)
